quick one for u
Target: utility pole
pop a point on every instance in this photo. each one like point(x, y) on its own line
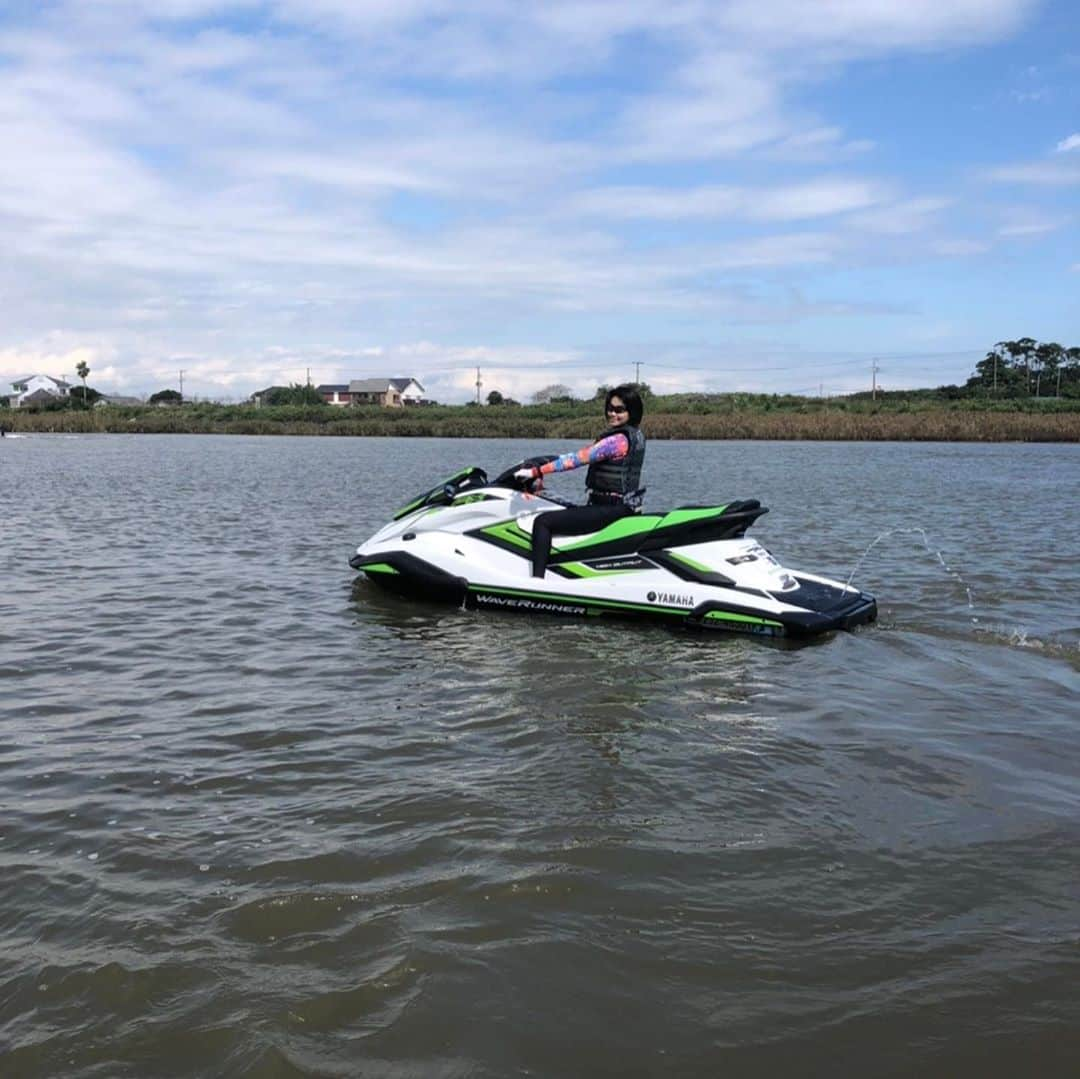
point(309, 376)
point(478, 385)
point(637, 372)
point(181, 384)
point(874, 369)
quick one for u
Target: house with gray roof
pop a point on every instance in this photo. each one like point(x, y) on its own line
point(36, 390)
point(388, 392)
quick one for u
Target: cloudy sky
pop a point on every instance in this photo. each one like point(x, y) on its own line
point(734, 194)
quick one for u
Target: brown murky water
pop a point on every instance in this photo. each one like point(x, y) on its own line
point(260, 820)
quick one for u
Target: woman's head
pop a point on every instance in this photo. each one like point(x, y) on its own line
point(623, 405)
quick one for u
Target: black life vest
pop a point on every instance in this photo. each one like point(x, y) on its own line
point(612, 480)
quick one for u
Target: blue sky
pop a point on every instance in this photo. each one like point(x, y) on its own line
point(736, 195)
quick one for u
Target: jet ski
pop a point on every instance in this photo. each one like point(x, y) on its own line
point(468, 540)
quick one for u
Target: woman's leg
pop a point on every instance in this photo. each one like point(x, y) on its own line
point(570, 522)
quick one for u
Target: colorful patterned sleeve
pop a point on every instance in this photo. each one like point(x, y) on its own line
point(607, 449)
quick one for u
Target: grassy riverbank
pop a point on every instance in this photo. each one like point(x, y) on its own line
point(728, 416)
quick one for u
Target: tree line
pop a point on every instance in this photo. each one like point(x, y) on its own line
point(1011, 370)
point(1028, 368)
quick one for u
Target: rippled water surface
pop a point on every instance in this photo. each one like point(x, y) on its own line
point(259, 819)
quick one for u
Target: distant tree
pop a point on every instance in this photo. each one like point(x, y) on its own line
point(84, 394)
point(990, 370)
point(1048, 359)
point(495, 398)
point(1003, 371)
point(1069, 374)
point(950, 393)
point(296, 394)
point(1026, 368)
point(82, 369)
point(556, 392)
point(166, 397)
point(642, 388)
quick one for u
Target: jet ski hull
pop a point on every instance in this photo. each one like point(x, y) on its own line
point(401, 574)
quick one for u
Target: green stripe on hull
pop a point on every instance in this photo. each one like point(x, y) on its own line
point(509, 532)
point(583, 601)
point(731, 616)
point(378, 567)
point(699, 566)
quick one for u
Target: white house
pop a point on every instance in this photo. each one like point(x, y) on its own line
point(389, 392)
point(34, 389)
point(412, 393)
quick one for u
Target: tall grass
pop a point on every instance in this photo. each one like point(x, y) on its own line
point(802, 419)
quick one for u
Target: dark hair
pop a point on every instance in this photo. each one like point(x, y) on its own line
point(631, 398)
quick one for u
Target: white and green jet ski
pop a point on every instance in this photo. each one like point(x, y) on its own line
point(468, 541)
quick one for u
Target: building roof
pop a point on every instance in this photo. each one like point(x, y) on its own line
point(26, 378)
point(335, 387)
point(370, 385)
point(40, 394)
point(380, 385)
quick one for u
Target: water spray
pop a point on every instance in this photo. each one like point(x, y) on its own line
point(930, 550)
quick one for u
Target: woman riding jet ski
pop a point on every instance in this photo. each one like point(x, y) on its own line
point(483, 543)
point(613, 479)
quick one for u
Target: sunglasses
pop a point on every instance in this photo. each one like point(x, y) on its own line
point(616, 408)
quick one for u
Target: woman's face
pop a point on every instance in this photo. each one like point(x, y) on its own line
point(616, 412)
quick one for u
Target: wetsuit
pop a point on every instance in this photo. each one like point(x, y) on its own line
point(614, 461)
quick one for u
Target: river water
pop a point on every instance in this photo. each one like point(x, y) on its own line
point(259, 819)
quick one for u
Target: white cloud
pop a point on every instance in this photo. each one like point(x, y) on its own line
point(1041, 173)
point(816, 198)
point(950, 247)
point(250, 188)
point(879, 24)
point(1024, 221)
point(591, 28)
point(55, 354)
point(901, 218)
point(1067, 144)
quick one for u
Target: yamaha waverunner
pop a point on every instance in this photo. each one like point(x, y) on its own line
point(468, 541)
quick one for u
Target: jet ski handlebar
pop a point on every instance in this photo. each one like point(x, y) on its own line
point(508, 479)
point(442, 494)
